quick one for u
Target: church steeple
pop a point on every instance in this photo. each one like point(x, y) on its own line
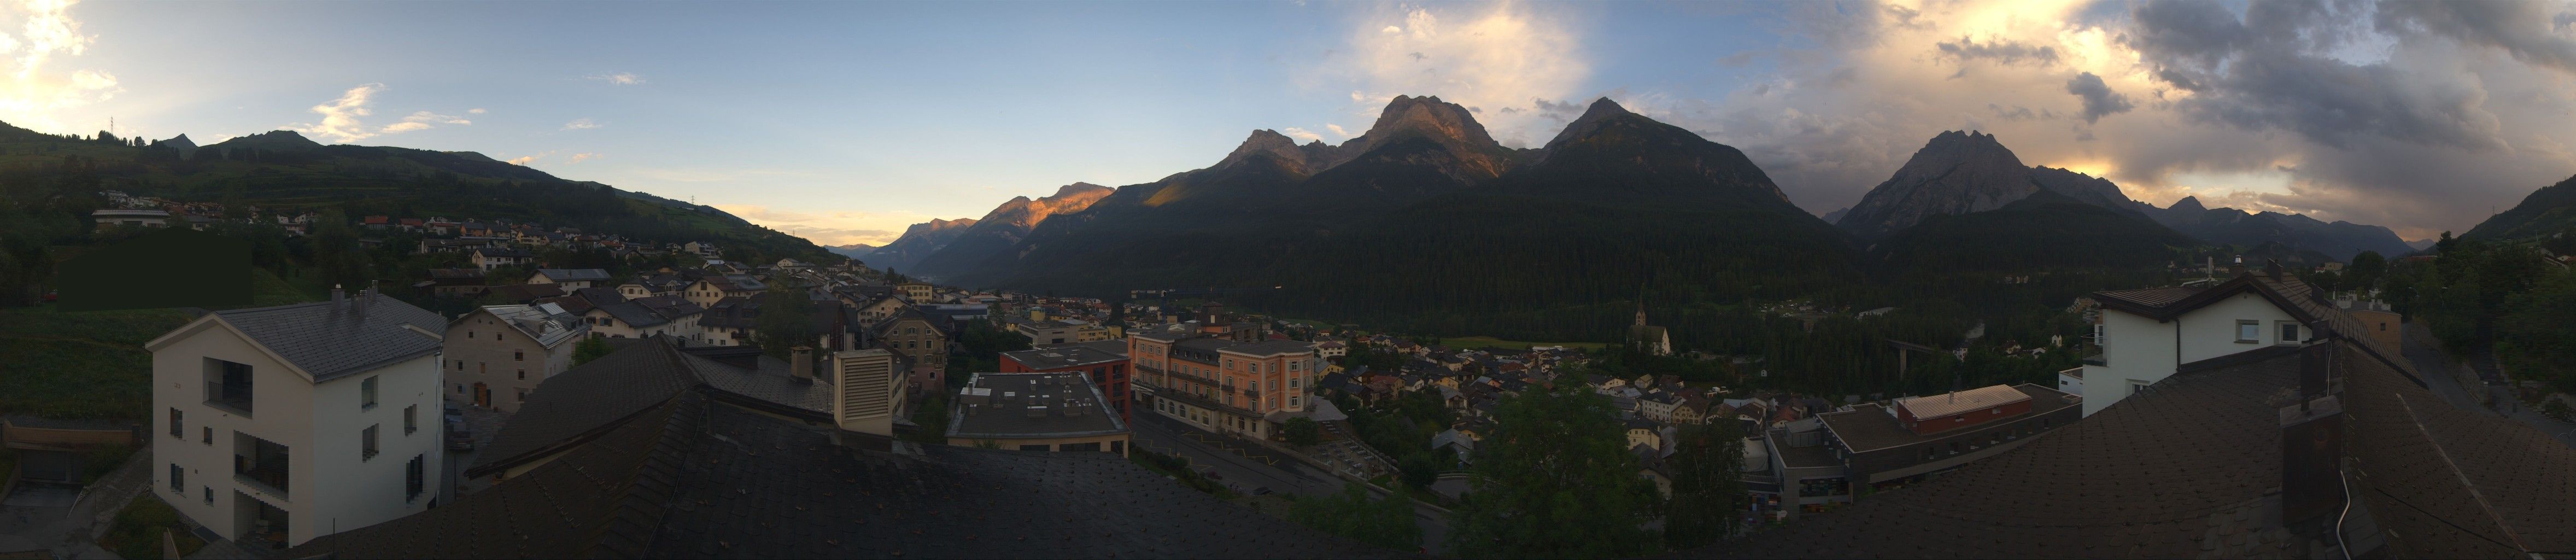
point(1641, 313)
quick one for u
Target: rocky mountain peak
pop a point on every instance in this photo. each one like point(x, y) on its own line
point(1594, 117)
point(2188, 204)
point(1076, 189)
point(1957, 172)
point(1429, 116)
point(1266, 142)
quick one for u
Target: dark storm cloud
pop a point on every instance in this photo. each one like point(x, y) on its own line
point(2527, 30)
point(2098, 98)
point(2270, 70)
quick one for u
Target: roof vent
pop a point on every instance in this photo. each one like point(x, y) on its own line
point(1038, 411)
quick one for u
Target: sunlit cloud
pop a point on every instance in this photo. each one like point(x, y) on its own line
point(36, 88)
point(581, 124)
point(1300, 134)
point(1337, 130)
point(582, 157)
point(829, 228)
point(619, 78)
point(530, 158)
point(1483, 57)
point(341, 117)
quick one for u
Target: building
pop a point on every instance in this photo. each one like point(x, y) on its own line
point(1221, 385)
point(1059, 412)
point(712, 288)
point(488, 258)
point(664, 466)
point(918, 292)
point(2147, 334)
point(1105, 362)
point(457, 282)
point(498, 354)
point(921, 342)
point(571, 278)
point(1651, 339)
point(643, 374)
point(1044, 331)
point(287, 423)
point(2383, 323)
point(130, 217)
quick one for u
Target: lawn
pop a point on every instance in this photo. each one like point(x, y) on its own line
point(1484, 341)
point(138, 529)
point(91, 364)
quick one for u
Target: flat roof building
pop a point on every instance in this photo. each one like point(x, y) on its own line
point(1035, 412)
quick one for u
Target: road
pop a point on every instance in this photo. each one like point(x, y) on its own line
point(2443, 375)
point(1261, 467)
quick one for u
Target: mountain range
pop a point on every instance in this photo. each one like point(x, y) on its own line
point(1003, 228)
point(918, 242)
point(2548, 211)
point(283, 168)
point(853, 250)
point(1970, 172)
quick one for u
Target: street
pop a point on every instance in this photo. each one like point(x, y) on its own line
point(1262, 469)
point(2443, 375)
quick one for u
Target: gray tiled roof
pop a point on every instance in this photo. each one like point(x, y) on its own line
point(633, 314)
point(694, 479)
point(328, 341)
point(567, 405)
point(995, 415)
point(574, 274)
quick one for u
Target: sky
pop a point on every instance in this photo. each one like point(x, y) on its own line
point(845, 122)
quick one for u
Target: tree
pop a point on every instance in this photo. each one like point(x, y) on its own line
point(1708, 491)
point(1555, 480)
point(1386, 522)
point(337, 255)
point(1303, 431)
point(786, 320)
point(589, 349)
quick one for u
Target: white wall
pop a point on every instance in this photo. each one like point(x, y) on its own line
point(2139, 349)
point(353, 492)
point(328, 486)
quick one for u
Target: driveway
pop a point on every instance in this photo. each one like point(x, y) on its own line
point(2445, 377)
point(1252, 466)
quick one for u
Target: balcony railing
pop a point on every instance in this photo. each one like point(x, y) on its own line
point(231, 397)
point(268, 478)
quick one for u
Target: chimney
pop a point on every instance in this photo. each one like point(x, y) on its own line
point(2237, 268)
point(336, 297)
point(2312, 443)
point(2272, 268)
point(801, 359)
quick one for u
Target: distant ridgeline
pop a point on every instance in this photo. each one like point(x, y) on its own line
point(59, 177)
point(1426, 224)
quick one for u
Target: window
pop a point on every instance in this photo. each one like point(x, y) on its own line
point(1292, 402)
point(2249, 332)
point(460, 387)
point(209, 492)
point(523, 395)
point(1292, 382)
point(367, 443)
point(210, 435)
point(176, 430)
point(523, 375)
point(414, 477)
point(469, 334)
point(178, 478)
point(367, 393)
point(2289, 332)
point(518, 356)
point(411, 419)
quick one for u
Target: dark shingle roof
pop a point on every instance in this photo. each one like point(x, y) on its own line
point(995, 416)
point(568, 405)
point(694, 479)
point(574, 274)
point(327, 340)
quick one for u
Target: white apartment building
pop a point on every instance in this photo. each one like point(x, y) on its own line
point(276, 425)
point(2148, 334)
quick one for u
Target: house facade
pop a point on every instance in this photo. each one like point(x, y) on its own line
point(281, 424)
point(1221, 385)
point(2148, 334)
point(498, 354)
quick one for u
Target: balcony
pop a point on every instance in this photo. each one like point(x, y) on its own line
point(1252, 393)
point(229, 397)
point(260, 465)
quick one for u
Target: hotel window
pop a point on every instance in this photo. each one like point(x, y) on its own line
point(2249, 332)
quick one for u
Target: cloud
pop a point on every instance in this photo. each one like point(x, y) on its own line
point(581, 124)
point(474, 111)
point(714, 175)
point(422, 120)
point(2417, 116)
point(582, 157)
point(2098, 98)
point(340, 117)
point(1337, 130)
point(619, 78)
point(830, 228)
point(530, 158)
point(1484, 56)
point(32, 89)
point(1999, 51)
point(1301, 134)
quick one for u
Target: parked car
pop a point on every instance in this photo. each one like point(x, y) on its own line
point(459, 437)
